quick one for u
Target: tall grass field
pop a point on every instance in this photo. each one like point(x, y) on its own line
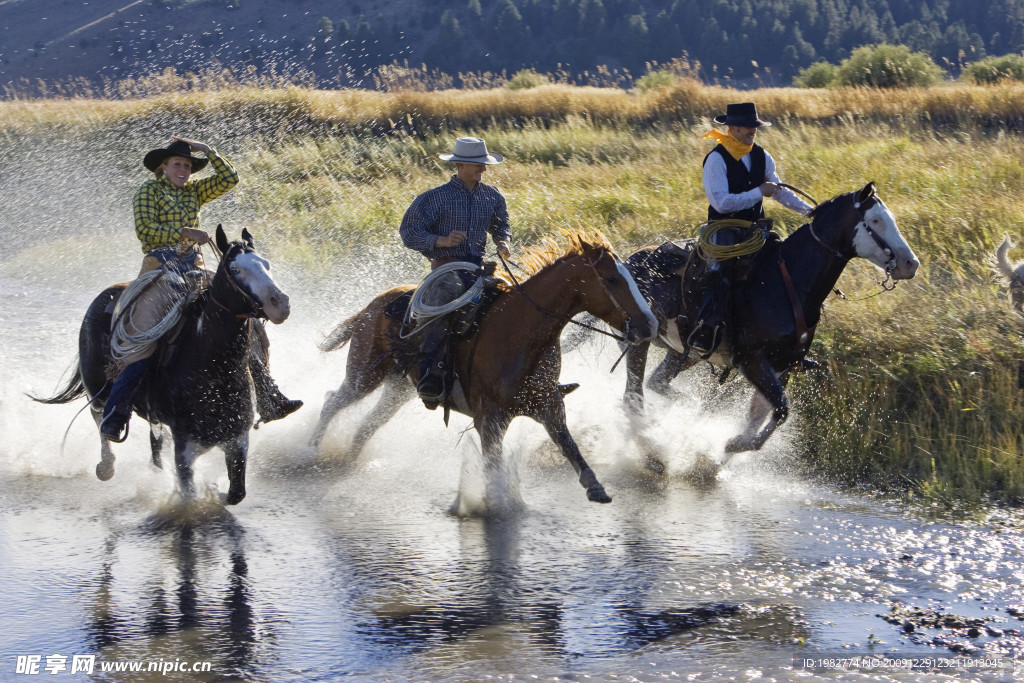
point(923, 389)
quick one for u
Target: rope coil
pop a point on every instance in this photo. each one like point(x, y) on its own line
point(711, 252)
point(422, 314)
point(125, 344)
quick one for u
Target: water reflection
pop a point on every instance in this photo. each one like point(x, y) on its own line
point(179, 583)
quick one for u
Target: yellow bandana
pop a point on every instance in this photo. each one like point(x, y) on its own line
point(736, 149)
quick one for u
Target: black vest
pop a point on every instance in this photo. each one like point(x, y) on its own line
point(741, 180)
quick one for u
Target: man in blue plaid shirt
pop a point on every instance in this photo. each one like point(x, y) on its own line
point(450, 223)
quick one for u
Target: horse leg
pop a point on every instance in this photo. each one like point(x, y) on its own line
point(397, 392)
point(769, 401)
point(236, 453)
point(352, 389)
point(666, 371)
point(105, 467)
point(636, 364)
point(491, 426)
point(185, 454)
point(553, 420)
point(156, 443)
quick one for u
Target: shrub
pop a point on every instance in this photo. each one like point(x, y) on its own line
point(817, 75)
point(527, 78)
point(888, 66)
point(652, 80)
point(994, 70)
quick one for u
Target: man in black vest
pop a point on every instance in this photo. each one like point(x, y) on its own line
point(737, 176)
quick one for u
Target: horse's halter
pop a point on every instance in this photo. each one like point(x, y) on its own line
point(611, 296)
point(255, 307)
point(862, 208)
point(553, 314)
point(890, 265)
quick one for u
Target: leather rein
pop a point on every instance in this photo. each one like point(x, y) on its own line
point(566, 318)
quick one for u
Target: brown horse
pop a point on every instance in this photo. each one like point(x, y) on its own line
point(510, 366)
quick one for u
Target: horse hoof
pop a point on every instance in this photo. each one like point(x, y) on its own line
point(734, 446)
point(234, 497)
point(597, 494)
point(654, 465)
point(105, 469)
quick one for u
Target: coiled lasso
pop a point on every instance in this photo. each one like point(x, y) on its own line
point(124, 344)
point(423, 313)
point(709, 251)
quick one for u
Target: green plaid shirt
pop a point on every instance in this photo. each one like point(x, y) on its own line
point(162, 210)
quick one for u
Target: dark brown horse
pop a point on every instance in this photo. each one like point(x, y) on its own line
point(201, 389)
point(775, 307)
point(510, 366)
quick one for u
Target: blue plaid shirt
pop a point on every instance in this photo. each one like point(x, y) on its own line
point(453, 206)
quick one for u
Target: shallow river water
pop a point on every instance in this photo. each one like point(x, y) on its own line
point(324, 573)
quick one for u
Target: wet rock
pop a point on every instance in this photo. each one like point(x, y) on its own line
point(953, 628)
point(963, 648)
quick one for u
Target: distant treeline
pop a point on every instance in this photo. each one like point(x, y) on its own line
point(742, 43)
point(767, 40)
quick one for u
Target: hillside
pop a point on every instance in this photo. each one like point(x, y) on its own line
point(343, 42)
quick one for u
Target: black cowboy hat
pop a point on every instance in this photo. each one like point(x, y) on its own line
point(177, 148)
point(743, 115)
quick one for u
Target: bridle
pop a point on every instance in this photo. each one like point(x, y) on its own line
point(862, 207)
point(255, 307)
point(890, 265)
point(566, 318)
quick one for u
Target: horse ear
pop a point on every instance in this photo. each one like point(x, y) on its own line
point(222, 239)
point(590, 251)
point(867, 192)
point(247, 238)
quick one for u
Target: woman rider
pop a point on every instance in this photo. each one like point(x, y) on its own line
point(166, 210)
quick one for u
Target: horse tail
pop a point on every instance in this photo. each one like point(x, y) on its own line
point(1003, 264)
point(340, 335)
point(75, 388)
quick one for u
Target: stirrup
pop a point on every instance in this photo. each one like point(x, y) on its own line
point(705, 352)
point(112, 436)
point(431, 390)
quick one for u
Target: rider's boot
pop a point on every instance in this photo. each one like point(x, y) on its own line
point(118, 408)
point(709, 327)
point(432, 351)
point(270, 402)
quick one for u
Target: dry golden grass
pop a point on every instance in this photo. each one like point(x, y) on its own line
point(685, 102)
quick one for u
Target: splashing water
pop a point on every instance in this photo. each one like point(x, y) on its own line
point(737, 568)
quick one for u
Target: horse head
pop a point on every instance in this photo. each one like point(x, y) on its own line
point(248, 274)
point(877, 238)
point(618, 300)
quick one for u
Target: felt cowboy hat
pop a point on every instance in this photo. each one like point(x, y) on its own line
point(471, 151)
point(743, 115)
point(155, 157)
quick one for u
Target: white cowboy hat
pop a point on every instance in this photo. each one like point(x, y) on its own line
point(471, 151)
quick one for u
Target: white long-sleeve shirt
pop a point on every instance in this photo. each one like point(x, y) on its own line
point(716, 187)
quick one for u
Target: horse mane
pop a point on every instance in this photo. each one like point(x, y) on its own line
point(829, 208)
point(549, 250)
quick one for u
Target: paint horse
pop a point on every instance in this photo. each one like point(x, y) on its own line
point(510, 366)
point(775, 308)
point(200, 387)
